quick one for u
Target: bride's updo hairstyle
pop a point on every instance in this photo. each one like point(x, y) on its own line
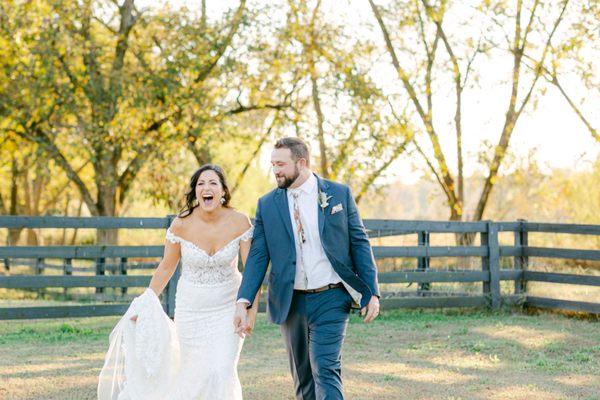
point(192, 202)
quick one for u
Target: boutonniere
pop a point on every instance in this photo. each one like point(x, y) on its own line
point(323, 200)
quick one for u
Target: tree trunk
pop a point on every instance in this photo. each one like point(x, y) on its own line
point(107, 204)
point(13, 207)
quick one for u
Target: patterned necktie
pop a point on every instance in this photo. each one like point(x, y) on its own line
point(301, 235)
point(298, 220)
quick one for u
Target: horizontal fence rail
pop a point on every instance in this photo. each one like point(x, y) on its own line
point(84, 222)
point(97, 310)
point(561, 228)
point(487, 249)
point(92, 252)
point(568, 305)
point(37, 282)
point(80, 252)
point(571, 279)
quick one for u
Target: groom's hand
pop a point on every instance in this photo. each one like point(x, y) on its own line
point(240, 319)
point(371, 310)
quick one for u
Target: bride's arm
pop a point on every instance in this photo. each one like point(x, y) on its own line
point(166, 267)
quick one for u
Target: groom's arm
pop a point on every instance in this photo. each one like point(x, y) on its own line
point(257, 262)
point(360, 247)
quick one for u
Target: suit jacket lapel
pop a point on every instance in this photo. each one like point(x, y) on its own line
point(284, 210)
point(321, 212)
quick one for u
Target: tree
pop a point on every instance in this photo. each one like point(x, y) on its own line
point(336, 105)
point(108, 85)
point(35, 186)
point(76, 81)
point(446, 59)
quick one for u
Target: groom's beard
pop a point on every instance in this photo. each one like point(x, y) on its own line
point(288, 180)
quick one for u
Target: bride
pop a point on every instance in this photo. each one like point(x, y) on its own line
point(196, 356)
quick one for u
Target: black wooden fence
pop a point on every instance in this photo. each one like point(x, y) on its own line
point(488, 250)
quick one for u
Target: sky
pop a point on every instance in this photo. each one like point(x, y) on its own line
point(553, 131)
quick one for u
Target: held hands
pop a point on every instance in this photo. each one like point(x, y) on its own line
point(241, 320)
point(371, 310)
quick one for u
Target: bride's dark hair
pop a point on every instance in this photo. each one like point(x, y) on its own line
point(190, 196)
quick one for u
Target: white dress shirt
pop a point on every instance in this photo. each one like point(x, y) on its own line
point(310, 257)
point(319, 271)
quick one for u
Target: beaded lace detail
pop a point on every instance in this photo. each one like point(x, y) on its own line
point(200, 268)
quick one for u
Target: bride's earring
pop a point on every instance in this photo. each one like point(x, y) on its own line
point(222, 200)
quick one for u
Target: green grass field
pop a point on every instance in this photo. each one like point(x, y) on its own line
point(403, 355)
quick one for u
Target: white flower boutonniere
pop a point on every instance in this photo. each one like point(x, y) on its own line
point(323, 200)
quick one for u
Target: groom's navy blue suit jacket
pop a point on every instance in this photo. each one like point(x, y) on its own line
point(343, 237)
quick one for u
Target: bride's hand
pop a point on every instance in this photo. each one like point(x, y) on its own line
point(240, 319)
point(134, 318)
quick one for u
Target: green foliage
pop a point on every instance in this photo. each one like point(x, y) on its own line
point(112, 106)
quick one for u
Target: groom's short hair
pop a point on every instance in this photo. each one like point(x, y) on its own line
point(297, 146)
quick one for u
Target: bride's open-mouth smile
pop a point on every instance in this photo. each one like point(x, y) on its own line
point(208, 199)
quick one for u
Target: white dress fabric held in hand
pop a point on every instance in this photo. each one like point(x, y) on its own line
point(143, 357)
point(195, 357)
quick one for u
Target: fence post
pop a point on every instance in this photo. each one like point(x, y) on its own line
point(123, 271)
point(38, 270)
point(100, 270)
point(491, 264)
point(39, 266)
point(423, 263)
point(67, 270)
point(521, 261)
point(171, 289)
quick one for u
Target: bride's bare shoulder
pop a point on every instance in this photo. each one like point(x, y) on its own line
point(241, 220)
point(178, 225)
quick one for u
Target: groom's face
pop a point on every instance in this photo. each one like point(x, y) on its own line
point(284, 167)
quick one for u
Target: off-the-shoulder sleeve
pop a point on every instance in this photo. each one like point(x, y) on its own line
point(171, 237)
point(248, 234)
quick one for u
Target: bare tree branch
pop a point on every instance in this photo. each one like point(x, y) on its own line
point(235, 23)
point(538, 71)
point(320, 122)
point(38, 136)
point(125, 25)
point(134, 166)
point(513, 113)
point(254, 107)
point(576, 109)
point(54, 198)
point(552, 77)
point(107, 26)
point(529, 24)
point(255, 153)
point(376, 173)
point(343, 151)
point(425, 157)
point(458, 88)
point(427, 121)
point(471, 60)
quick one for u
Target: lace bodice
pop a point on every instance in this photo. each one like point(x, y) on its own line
point(200, 268)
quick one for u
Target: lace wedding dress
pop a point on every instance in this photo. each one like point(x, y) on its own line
point(196, 356)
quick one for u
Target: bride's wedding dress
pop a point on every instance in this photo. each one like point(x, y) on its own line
point(194, 357)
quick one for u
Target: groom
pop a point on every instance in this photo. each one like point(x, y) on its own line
point(321, 262)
